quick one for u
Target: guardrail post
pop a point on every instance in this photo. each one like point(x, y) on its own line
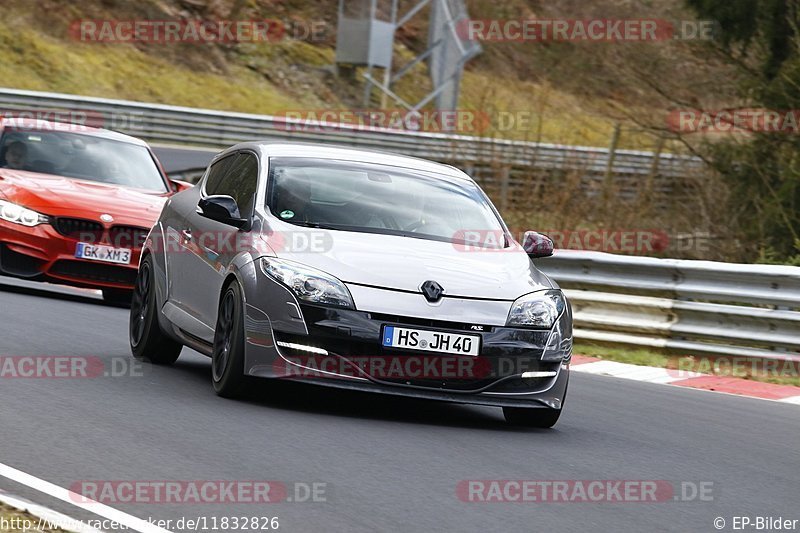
point(654, 165)
point(612, 151)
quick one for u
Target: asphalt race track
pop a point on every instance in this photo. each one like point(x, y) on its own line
point(386, 464)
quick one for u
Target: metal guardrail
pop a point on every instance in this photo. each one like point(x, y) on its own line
point(218, 129)
point(682, 306)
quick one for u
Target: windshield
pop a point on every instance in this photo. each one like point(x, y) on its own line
point(85, 157)
point(378, 199)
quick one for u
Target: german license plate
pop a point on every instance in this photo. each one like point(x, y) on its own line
point(431, 341)
point(106, 254)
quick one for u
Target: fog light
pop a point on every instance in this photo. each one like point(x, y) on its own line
point(302, 347)
point(539, 374)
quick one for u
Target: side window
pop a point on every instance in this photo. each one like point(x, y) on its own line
point(216, 174)
point(241, 183)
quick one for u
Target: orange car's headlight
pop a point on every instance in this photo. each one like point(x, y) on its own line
point(18, 214)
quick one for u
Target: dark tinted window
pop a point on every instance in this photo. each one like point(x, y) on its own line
point(240, 182)
point(216, 174)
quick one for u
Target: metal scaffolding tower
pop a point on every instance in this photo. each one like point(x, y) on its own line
point(365, 38)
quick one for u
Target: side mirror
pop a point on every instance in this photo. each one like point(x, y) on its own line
point(223, 209)
point(537, 245)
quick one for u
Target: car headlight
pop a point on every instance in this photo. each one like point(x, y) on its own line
point(537, 310)
point(17, 214)
point(559, 345)
point(308, 284)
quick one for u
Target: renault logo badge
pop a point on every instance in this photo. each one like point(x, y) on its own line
point(432, 291)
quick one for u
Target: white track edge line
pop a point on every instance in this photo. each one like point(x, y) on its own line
point(79, 501)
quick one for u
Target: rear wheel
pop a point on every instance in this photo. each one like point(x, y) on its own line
point(227, 360)
point(147, 340)
point(118, 297)
point(531, 417)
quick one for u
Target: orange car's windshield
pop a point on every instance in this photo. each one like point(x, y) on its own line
point(85, 157)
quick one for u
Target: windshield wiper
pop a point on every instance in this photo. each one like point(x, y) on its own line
point(318, 225)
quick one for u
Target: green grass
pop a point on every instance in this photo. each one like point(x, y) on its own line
point(623, 355)
point(783, 374)
point(35, 61)
point(270, 78)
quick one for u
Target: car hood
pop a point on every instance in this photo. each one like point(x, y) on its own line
point(60, 196)
point(405, 263)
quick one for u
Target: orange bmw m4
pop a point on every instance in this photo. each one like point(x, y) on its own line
point(76, 204)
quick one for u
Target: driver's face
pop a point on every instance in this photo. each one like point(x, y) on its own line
point(15, 157)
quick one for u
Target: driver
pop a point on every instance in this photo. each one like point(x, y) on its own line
point(16, 155)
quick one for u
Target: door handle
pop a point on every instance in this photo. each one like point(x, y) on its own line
point(187, 234)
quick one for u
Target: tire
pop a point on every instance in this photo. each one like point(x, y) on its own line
point(227, 359)
point(118, 297)
point(531, 417)
point(148, 342)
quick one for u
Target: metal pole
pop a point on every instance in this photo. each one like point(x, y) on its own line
point(387, 72)
point(608, 180)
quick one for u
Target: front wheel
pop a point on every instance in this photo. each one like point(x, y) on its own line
point(531, 417)
point(147, 340)
point(227, 359)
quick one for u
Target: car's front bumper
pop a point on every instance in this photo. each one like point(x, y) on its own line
point(41, 253)
point(342, 348)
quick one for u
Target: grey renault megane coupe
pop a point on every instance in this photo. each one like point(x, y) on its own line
point(353, 269)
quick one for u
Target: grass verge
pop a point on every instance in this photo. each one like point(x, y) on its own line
point(15, 521)
point(777, 372)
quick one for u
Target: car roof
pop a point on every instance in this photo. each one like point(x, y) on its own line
point(324, 151)
point(64, 127)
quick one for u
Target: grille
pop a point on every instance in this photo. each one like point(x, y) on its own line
point(405, 320)
point(77, 228)
point(94, 272)
point(93, 232)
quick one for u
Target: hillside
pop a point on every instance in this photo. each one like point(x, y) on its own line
point(573, 92)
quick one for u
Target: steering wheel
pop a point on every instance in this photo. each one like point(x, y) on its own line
point(388, 220)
